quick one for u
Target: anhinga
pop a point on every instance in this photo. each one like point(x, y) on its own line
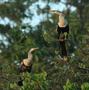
point(26, 64)
point(63, 30)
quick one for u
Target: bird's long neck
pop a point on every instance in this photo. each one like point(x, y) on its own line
point(30, 55)
point(62, 21)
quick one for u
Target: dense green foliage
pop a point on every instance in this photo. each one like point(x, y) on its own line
point(32, 82)
point(18, 36)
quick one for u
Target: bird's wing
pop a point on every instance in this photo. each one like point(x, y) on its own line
point(26, 62)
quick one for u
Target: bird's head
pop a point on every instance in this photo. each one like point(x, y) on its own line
point(32, 50)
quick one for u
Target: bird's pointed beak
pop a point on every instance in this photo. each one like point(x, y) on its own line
point(36, 48)
point(33, 49)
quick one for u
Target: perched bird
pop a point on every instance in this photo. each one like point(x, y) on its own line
point(26, 64)
point(63, 32)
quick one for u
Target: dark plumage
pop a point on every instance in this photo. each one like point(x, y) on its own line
point(26, 65)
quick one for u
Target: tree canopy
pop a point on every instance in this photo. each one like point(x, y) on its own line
point(27, 23)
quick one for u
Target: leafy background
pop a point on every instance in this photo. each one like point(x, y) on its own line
point(19, 32)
